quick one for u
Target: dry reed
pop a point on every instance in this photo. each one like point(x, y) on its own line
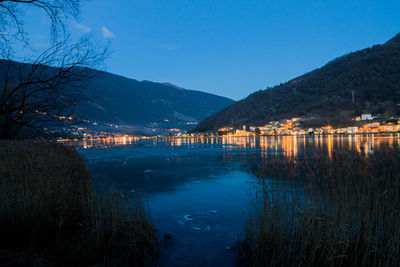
point(347, 215)
point(51, 215)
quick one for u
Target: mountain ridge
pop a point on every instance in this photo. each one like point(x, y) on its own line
point(144, 102)
point(324, 93)
point(115, 99)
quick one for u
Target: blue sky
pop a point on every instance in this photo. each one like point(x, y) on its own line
point(230, 48)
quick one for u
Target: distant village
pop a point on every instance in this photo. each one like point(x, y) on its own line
point(293, 126)
point(367, 123)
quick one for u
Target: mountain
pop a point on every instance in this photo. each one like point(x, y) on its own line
point(116, 99)
point(325, 94)
point(112, 99)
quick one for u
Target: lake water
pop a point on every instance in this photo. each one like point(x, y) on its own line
point(201, 190)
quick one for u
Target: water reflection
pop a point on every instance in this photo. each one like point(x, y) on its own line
point(293, 146)
point(162, 164)
point(288, 146)
point(192, 175)
point(104, 142)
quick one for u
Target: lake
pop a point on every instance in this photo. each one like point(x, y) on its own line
point(200, 191)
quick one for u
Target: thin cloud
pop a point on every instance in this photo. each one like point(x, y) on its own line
point(107, 33)
point(168, 46)
point(83, 28)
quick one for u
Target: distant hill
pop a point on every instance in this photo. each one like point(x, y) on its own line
point(113, 99)
point(116, 99)
point(325, 93)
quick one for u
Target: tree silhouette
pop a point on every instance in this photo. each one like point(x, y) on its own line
point(43, 90)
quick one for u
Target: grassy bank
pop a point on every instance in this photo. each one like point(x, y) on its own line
point(50, 213)
point(348, 213)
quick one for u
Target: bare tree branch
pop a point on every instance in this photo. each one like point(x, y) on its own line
point(57, 11)
point(37, 94)
point(44, 90)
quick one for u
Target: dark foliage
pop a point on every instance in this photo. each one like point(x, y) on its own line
point(347, 214)
point(50, 214)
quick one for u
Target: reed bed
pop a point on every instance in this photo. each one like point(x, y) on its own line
point(347, 214)
point(51, 215)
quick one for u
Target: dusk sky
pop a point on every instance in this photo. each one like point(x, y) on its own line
point(229, 48)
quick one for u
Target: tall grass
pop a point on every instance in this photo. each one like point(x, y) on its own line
point(347, 215)
point(50, 213)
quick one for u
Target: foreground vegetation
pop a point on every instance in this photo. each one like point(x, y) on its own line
point(50, 213)
point(348, 214)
